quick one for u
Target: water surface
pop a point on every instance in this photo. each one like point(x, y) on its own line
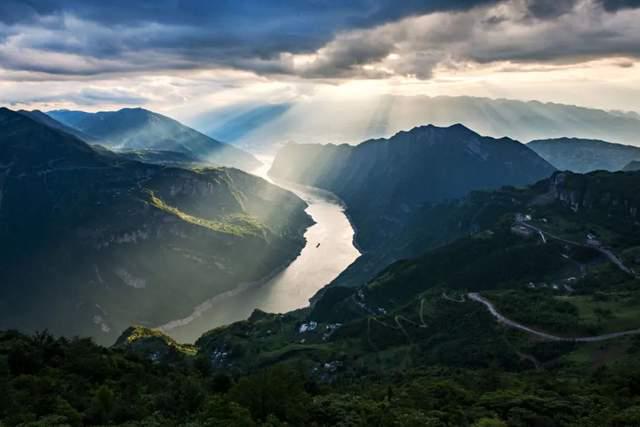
point(328, 251)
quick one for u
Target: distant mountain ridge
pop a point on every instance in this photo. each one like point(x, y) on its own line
point(139, 129)
point(91, 241)
point(49, 121)
point(318, 120)
point(585, 155)
point(385, 181)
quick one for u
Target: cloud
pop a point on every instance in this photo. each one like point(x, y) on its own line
point(88, 97)
point(550, 8)
point(615, 5)
point(242, 28)
point(312, 39)
point(507, 32)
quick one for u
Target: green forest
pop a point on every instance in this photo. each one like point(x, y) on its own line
point(47, 381)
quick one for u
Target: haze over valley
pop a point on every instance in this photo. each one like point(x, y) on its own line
point(343, 119)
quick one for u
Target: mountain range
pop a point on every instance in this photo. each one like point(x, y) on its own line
point(135, 129)
point(341, 119)
point(387, 183)
point(91, 241)
point(489, 329)
point(412, 299)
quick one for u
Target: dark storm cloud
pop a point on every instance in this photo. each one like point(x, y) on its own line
point(615, 5)
point(88, 37)
point(313, 17)
point(550, 8)
point(239, 33)
point(546, 9)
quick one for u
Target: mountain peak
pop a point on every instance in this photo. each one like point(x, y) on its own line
point(140, 129)
point(15, 116)
point(431, 134)
point(132, 110)
point(457, 127)
point(7, 112)
point(461, 127)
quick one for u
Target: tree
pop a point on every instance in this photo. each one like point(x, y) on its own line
point(102, 404)
point(276, 391)
point(489, 422)
point(220, 412)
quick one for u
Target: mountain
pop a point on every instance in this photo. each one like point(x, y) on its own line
point(139, 129)
point(499, 327)
point(384, 181)
point(162, 157)
point(390, 185)
point(344, 119)
point(584, 155)
point(47, 120)
point(91, 241)
point(417, 313)
point(632, 166)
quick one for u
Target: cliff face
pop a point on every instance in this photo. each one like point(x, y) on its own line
point(599, 192)
point(92, 242)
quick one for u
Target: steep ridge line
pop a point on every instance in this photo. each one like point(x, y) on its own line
point(512, 324)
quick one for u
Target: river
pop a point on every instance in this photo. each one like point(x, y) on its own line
point(328, 251)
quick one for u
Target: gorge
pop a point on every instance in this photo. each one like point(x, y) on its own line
point(329, 250)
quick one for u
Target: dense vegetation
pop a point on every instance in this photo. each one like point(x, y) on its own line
point(55, 382)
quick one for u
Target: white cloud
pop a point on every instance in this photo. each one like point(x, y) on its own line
point(506, 32)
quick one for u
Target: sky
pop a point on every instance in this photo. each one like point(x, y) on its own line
point(184, 57)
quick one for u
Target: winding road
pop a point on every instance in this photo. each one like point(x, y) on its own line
point(513, 324)
point(606, 252)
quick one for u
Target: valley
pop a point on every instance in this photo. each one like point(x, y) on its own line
point(542, 289)
point(92, 242)
point(396, 189)
point(329, 249)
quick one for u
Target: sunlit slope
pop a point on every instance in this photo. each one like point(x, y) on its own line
point(91, 242)
point(139, 129)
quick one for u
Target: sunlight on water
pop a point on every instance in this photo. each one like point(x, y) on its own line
point(329, 250)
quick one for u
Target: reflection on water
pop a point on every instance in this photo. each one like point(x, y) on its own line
point(329, 250)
